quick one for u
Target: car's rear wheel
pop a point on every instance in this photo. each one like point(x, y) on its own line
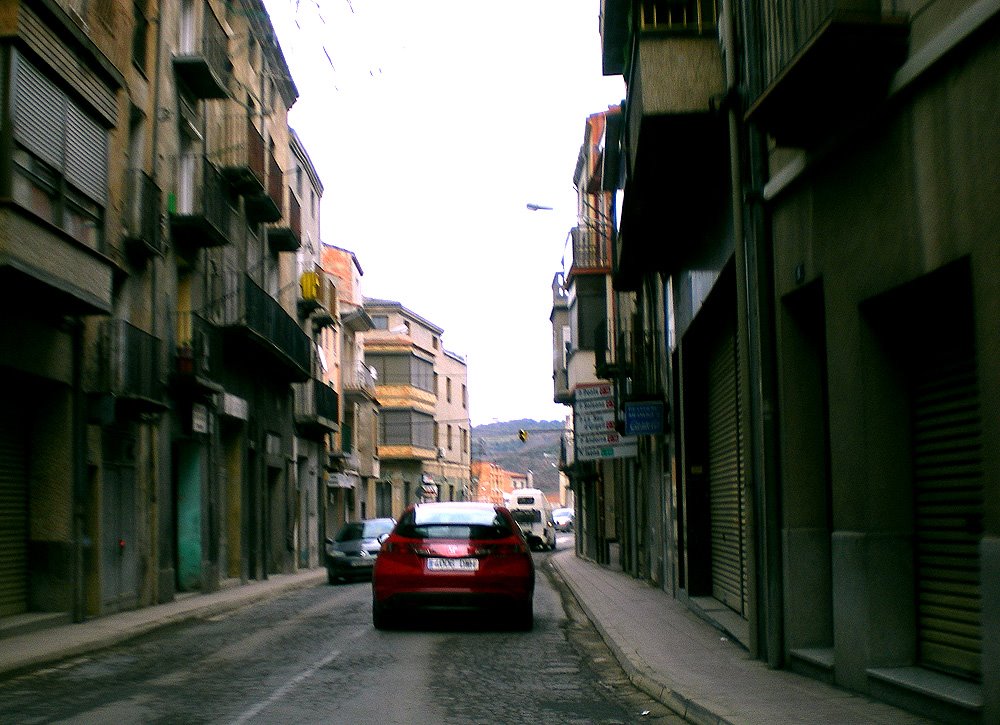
point(382, 618)
point(523, 619)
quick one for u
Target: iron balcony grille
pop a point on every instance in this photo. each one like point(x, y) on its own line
point(241, 153)
point(316, 399)
point(360, 378)
point(142, 215)
point(203, 59)
point(287, 237)
point(201, 215)
point(694, 16)
point(129, 362)
point(591, 249)
point(198, 347)
point(244, 304)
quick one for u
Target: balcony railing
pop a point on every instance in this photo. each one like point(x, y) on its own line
point(690, 16)
point(202, 62)
point(142, 216)
point(129, 364)
point(591, 250)
point(200, 213)
point(197, 357)
point(360, 378)
point(267, 205)
point(287, 237)
point(240, 154)
point(317, 407)
point(826, 63)
point(243, 306)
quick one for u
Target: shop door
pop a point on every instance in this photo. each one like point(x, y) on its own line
point(119, 550)
point(13, 511)
point(948, 509)
point(726, 478)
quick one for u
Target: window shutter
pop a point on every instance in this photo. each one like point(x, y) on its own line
point(86, 155)
point(38, 111)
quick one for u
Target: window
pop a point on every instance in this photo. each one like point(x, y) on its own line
point(140, 33)
point(406, 428)
point(403, 370)
point(381, 322)
point(447, 385)
point(449, 437)
point(465, 397)
point(60, 156)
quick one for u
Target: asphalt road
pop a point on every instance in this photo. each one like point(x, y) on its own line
point(312, 656)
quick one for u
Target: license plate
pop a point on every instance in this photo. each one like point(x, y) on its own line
point(452, 564)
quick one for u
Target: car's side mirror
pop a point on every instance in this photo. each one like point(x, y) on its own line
point(381, 539)
point(329, 541)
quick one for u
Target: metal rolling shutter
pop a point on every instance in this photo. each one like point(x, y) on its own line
point(948, 510)
point(13, 513)
point(726, 480)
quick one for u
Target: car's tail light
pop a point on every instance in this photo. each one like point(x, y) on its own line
point(400, 547)
point(505, 549)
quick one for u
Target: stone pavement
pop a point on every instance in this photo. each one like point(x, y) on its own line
point(49, 644)
point(692, 668)
point(665, 649)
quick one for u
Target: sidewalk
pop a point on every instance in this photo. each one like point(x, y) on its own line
point(689, 666)
point(51, 644)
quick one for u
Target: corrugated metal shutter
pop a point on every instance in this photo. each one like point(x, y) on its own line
point(726, 480)
point(13, 512)
point(51, 126)
point(948, 490)
point(86, 154)
point(38, 113)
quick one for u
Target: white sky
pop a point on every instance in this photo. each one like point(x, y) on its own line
point(431, 125)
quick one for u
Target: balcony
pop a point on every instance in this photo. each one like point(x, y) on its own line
point(319, 298)
point(202, 62)
point(141, 231)
point(197, 358)
point(359, 381)
point(266, 205)
point(240, 155)
point(250, 315)
point(591, 250)
point(287, 237)
point(829, 66)
point(675, 141)
point(128, 366)
point(200, 213)
point(317, 408)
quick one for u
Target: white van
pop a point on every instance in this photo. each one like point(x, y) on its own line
point(533, 513)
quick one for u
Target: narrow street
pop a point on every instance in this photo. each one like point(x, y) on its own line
point(313, 656)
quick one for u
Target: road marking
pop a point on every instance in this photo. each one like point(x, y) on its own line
point(287, 687)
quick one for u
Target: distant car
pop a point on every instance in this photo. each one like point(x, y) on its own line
point(352, 552)
point(564, 519)
point(454, 556)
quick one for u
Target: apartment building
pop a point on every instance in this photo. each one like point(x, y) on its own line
point(423, 392)
point(354, 470)
point(803, 278)
point(149, 431)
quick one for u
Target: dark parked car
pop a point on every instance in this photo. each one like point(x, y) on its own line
point(454, 556)
point(352, 552)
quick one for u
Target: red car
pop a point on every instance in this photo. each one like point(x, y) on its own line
point(454, 556)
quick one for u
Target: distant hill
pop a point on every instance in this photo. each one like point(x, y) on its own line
point(499, 443)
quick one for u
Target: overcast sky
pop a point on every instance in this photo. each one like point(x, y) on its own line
point(431, 125)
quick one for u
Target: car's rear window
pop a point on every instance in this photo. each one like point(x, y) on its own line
point(451, 523)
point(349, 532)
point(374, 529)
point(526, 516)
